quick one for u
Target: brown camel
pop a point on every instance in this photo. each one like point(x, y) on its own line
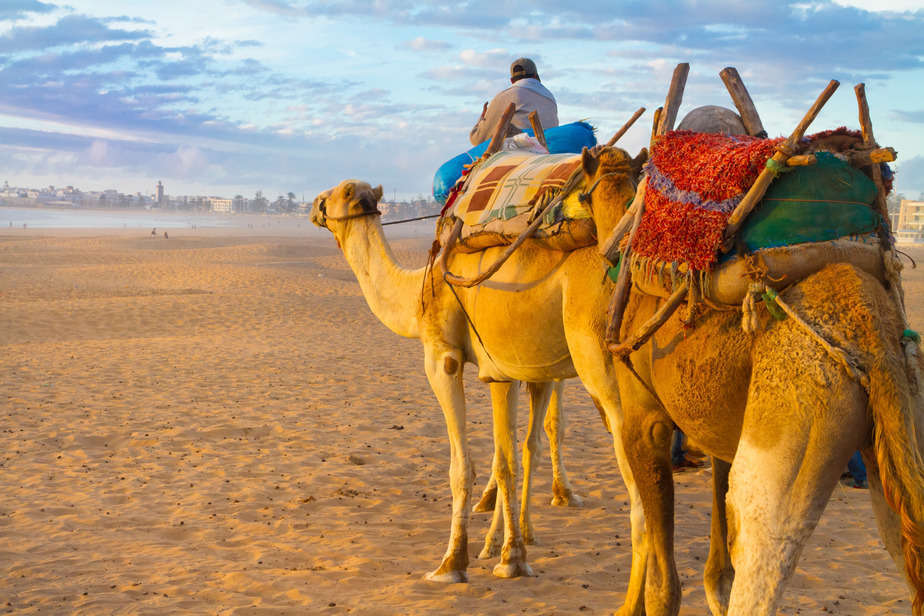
point(786, 415)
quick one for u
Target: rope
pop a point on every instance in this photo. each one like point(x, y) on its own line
point(839, 354)
point(777, 167)
point(398, 222)
point(470, 322)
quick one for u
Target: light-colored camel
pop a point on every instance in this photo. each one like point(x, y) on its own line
point(540, 318)
point(787, 416)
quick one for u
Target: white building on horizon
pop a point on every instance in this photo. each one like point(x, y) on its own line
point(910, 227)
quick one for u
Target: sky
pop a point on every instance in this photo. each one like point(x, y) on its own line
point(226, 97)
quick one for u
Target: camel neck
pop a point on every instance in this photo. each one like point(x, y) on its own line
point(392, 291)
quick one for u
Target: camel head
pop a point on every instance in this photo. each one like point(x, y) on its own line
point(347, 200)
point(610, 177)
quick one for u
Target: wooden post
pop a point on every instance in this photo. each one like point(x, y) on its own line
point(500, 133)
point(620, 297)
point(609, 247)
point(538, 133)
point(674, 98)
point(871, 157)
point(647, 330)
point(741, 98)
point(762, 183)
point(855, 158)
point(654, 127)
point(880, 205)
point(625, 127)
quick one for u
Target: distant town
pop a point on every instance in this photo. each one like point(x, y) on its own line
point(71, 197)
point(907, 215)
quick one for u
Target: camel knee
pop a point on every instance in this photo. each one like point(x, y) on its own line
point(648, 436)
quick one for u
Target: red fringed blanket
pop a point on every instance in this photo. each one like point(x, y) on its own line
point(695, 180)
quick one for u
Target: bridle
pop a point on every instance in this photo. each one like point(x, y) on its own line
point(322, 208)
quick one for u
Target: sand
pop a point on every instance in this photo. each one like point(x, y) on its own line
point(216, 424)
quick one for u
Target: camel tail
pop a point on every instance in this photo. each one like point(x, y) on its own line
point(896, 402)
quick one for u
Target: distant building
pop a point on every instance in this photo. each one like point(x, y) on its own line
point(159, 193)
point(910, 228)
point(220, 206)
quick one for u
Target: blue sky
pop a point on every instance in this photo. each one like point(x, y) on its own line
point(223, 97)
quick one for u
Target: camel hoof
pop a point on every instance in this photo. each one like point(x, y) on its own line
point(568, 500)
point(513, 569)
point(529, 538)
point(488, 499)
point(447, 577)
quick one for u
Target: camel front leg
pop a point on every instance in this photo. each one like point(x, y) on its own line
point(563, 493)
point(646, 437)
point(444, 371)
point(513, 554)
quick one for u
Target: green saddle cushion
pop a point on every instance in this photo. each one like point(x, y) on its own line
point(824, 201)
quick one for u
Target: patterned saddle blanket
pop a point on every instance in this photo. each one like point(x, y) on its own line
point(507, 191)
point(510, 184)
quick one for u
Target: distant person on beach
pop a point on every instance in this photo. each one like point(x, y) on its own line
point(529, 95)
point(166, 237)
point(154, 232)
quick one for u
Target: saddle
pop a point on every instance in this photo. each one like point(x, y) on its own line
point(810, 217)
point(505, 194)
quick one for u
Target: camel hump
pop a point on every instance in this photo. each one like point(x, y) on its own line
point(713, 119)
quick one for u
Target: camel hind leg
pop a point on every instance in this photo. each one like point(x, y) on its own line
point(539, 394)
point(513, 553)
point(563, 493)
point(798, 433)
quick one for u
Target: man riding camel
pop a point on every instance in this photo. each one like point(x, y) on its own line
point(528, 93)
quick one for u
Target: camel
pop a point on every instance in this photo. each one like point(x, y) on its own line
point(558, 302)
point(785, 415)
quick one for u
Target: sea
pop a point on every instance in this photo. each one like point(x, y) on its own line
point(49, 218)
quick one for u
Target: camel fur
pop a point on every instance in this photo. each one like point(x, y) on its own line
point(777, 408)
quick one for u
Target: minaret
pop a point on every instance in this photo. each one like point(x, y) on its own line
point(159, 193)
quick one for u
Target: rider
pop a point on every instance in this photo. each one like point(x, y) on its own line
point(529, 95)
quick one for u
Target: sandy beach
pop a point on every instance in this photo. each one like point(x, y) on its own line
point(217, 424)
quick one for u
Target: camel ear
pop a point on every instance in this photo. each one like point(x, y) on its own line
point(377, 191)
point(589, 162)
point(640, 160)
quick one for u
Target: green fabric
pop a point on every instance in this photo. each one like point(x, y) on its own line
point(773, 308)
point(613, 271)
point(825, 201)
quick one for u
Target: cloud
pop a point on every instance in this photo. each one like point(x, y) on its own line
point(909, 176)
point(14, 9)
point(68, 30)
point(422, 44)
point(98, 152)
point(909, 116)
point(817, 38)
